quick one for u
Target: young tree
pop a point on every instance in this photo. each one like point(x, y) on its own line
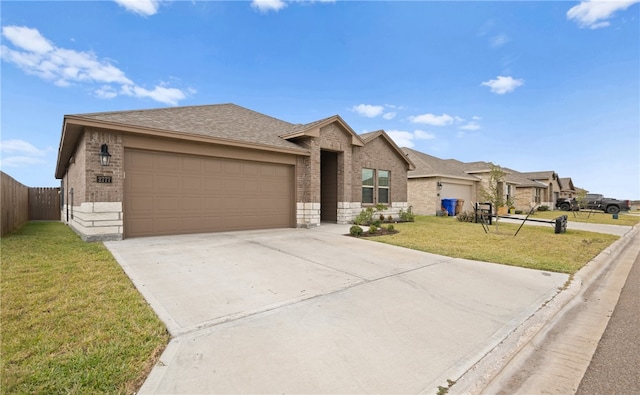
point(494, 192)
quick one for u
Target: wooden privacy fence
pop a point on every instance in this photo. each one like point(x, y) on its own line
point(20, 204)
point(44, 204)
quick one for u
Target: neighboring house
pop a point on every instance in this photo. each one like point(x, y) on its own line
point(528, 193)
point(552, 181)
point(483, 171)
point(434, 179)
point(567, 189)
point(218, 168)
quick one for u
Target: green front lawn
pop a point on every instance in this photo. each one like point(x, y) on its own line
point(72, 321)
point(535, 247)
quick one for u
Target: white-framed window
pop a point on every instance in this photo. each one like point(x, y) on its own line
point(376, 186)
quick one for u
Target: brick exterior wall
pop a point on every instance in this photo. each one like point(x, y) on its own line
point(95, 210)
point(377, 154)
point(423, 195)
point(525, 199)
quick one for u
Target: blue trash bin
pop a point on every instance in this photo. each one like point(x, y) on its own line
point(450, 206)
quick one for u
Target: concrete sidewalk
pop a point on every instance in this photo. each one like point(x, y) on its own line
point(313, 311)
point(618, 230)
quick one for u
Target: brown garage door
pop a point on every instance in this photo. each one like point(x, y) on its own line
point(169, 193)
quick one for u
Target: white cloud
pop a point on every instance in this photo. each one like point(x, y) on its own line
point(268, 5)
point(432, 119)
point(20, 161)
point(403, 138)
point(37, 56)
point(140, 7)
point(471, 126)
point(367, 110)
point(27, 39)
point(389, 115)
point(20, 147)
point(476, 118)
point(18, 153)
point(422, 135)
point(499, 40)
point(594, 14)
point(502, 85)
point(265, 6)
point(159, 93)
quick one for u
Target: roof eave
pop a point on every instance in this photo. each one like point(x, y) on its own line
point(73, 127)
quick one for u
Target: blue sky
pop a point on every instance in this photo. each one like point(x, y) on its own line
point(531, 86)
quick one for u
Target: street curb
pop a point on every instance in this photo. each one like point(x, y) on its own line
point(481, 374)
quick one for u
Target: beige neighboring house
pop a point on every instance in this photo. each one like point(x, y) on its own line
point(482, 170)
point(552, 181)
point(434, 179)
point(567, 189)
point(219, 168)
point(528, 193)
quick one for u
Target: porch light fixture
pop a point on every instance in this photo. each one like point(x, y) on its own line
point(105, 156)
point(439, 185)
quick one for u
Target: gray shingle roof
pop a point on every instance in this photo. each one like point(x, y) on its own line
point(430, 166)
point(539, 175)
point(223, 121)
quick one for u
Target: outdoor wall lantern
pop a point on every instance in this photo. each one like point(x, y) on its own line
point(439, 185)
point(105, 156)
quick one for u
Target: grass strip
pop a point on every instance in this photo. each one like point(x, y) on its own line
point(535, 247)
point(72, 321)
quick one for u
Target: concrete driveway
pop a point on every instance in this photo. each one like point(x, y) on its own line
point(313, 311)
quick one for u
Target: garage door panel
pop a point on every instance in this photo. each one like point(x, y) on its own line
point(191, 184)
point(191, 164)
point(232, 168)
point(168, 163)
point(203, 194)
point(166, 204)
point(166, 183)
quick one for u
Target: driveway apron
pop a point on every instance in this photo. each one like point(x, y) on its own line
point(314, 311)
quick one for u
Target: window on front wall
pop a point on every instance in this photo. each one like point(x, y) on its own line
point(375, 186)
point(367, 186)
point(383, 186)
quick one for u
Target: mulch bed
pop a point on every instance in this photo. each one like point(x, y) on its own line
point(379, 232)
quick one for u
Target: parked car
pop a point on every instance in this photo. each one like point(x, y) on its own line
point(594, 201)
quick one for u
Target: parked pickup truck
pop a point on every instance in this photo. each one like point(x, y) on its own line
point(594, 201)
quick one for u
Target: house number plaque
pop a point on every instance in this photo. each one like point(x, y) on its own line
point(104, 179)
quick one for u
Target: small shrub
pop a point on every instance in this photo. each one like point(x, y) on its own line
point(390, 228)
point(406, 216)
point(373, 229)
point(390, 218)
point(376, 223)
point(518, 211)
point(365, 217)
point(466, 216)
point(543, 208)
point(355, 231)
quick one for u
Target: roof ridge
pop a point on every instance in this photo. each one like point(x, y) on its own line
point(155, 109)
